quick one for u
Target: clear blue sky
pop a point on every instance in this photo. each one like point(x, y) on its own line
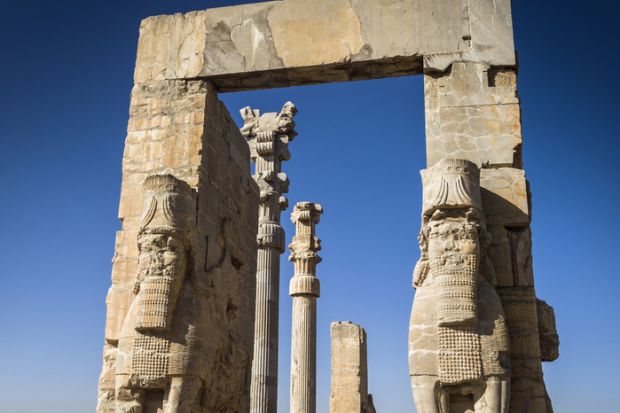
point(66, 74)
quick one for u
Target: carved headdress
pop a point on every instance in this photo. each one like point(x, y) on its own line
point(169, 207)
point(451, 183)
point(163, 241)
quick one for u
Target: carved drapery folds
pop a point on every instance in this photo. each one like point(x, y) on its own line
point(458, 334)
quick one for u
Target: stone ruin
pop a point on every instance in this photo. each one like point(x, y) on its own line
point(192, 312)
point(349, 386)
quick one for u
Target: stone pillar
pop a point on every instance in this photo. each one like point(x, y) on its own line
point(459, 348)
point(186, 250)
point(268, 137)
point(473, 113)
point(305, 289)
point(349, 387)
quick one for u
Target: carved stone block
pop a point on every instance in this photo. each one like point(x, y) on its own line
point(283, 43)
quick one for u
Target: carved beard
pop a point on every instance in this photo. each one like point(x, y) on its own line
point(453, 253)
point(162, 266)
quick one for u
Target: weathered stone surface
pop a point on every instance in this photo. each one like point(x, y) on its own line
point(197, 210)
point(349, 386)
point(304, 288)
point(510, 252)
point(528, 392)
point(472, 112)
point(459, 351)
point(268, 137)
point(505, 196)
point(549, 338)
point(289, 42)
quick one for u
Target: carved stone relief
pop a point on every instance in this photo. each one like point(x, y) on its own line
point(155, 345)
point(459, 342)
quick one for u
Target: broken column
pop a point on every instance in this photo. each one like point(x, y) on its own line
point(305, 289)
point(268, 137)
point(349, 387)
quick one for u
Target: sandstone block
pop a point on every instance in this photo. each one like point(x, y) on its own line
point(505, 196)
point(349, 386)
point(470, 115)
point(280, 43)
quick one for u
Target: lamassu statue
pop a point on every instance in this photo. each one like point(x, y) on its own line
point(459, 357)
point(155, 345)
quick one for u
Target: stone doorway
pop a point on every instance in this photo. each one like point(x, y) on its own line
point(363, 166)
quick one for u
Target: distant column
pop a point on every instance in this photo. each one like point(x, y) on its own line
point(268, 137)
point(305, 289)
point(349, 388)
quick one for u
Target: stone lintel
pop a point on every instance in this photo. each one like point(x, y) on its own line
point(296, 42)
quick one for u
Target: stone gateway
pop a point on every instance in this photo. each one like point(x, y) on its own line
point(191, 322)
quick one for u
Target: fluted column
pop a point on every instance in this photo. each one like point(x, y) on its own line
point(305, 289)
point(268, 137)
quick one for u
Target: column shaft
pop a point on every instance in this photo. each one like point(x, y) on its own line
point(264, 386)
point(303, 355)
point(305, 288)
point(268, 137)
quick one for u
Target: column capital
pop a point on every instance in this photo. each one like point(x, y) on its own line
point(268, 136)
point(305, 216)
point(304, 249)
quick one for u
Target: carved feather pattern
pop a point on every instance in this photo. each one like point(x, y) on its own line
point(167, 208)
point(442, 195)
point(150, 213)
point(461, 192)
